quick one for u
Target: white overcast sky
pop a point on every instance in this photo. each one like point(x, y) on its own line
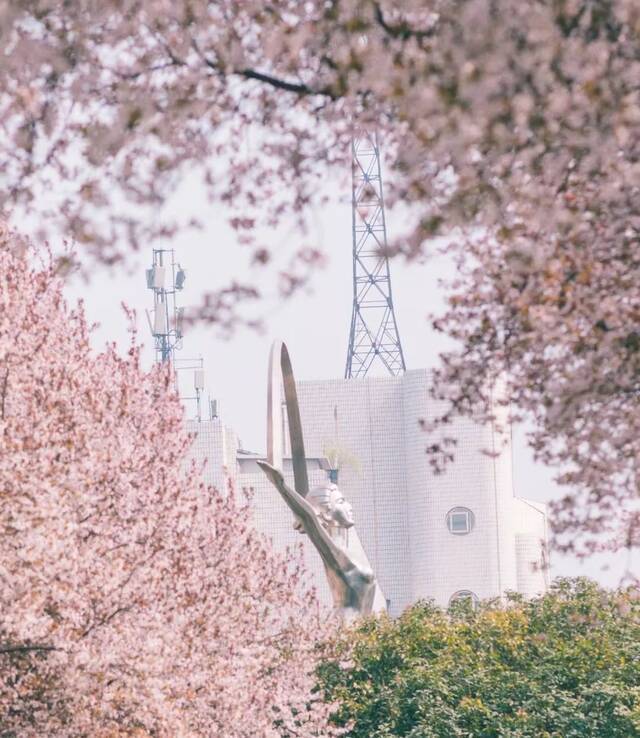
point(314, 325)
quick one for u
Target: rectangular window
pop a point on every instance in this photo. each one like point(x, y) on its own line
point(460, 522)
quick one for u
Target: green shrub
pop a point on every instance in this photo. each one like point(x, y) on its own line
point(566, 665)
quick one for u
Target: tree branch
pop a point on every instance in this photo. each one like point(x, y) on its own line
point(25, 648)
point(3, 399)
point(298, 87)
point(105, 620)
point(400, 30)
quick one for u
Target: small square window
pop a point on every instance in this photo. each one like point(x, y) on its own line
point(460, 521)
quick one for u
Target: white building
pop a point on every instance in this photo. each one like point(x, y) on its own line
point(427, 535)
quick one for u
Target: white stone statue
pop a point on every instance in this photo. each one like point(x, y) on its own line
point(322, 513)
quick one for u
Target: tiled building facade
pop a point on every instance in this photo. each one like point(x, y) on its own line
point(461, 533)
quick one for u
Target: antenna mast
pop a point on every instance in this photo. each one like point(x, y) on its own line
point(374, 331)
point(165, 278)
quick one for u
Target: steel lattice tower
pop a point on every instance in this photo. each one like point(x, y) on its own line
point(374, 331)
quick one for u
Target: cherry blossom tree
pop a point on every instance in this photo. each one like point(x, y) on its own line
point(133, 600)
point(513, 127)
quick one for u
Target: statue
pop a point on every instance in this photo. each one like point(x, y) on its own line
point(322, 513)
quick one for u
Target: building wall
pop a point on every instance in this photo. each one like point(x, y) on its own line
point(400, 504)
point(531, 548)
point(215, 447)
point(444, 563)
point(365, 417)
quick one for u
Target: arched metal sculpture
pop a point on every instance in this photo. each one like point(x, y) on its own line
point(322, 513)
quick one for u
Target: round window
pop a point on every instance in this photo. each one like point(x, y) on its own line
point(464, 596)
point(460, 521)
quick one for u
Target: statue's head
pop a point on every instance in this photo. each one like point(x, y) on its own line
point(333, 509)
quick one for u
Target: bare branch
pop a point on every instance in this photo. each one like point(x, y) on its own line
point(24, 648)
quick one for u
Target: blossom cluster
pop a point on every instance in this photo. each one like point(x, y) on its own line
point(133, 599)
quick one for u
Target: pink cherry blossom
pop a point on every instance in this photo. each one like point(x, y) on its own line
point(133, 600)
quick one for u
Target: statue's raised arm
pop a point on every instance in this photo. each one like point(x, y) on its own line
point(332, 555)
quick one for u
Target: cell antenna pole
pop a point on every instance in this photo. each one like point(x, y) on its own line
point(374, 336)
point(165, 279)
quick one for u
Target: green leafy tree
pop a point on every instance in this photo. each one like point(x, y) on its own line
point(566, 665)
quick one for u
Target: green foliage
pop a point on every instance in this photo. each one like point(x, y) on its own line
point(566, 665)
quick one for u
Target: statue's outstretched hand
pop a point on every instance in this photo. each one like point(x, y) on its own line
point(295, 500)
point(275, 475)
